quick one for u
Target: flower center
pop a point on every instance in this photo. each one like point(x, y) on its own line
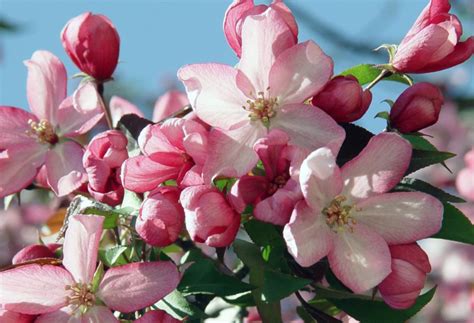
point(43, 131)
point(278, 182)
point(261, 108)
point(338, 215)
point(81, 296)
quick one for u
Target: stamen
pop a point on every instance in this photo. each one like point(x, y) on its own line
point(338, 215)
point(81, 296)
point(43, 131)
point(261, 108)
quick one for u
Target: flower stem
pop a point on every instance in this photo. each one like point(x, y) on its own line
point(108, 117)
point(382, 74)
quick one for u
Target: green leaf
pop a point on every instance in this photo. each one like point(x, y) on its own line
point(456, 226)
point(113, 256)
point(131, 202)
point(98, 275)
point(366, 73)
point(333, 293)
point(202, 277)
point(420, 143)
point(415, 185)
point(383, 115)
point(176, 305)
point(367, 311)
point(278, 285)
point(110, 220)
point(423, 158)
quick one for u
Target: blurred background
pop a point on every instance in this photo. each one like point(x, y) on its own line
point(159, 36)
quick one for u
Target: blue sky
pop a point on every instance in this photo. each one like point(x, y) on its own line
point(157, 37)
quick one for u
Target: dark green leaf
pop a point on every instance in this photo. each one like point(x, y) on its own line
point(456, 226)
point(414, 185)
point(418, 142)
point(278, 285)
point(356, 139)
point(177, 306)
point(304, 315)
point(383, 115)
point(366, 73)
point(242, 300)
point(110, 220)
point(113, 256)
point(423, 158)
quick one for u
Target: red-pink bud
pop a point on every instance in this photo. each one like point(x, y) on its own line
point(416, 108)
point(209, 217)
point(102, 161)
point(93, 44)
point(401, 287)
point(433, 42)
point(161, 217)
point(343, 99)
point(32, 252)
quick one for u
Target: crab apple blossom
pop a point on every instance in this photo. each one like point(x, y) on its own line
point(33, 252)
point(12, 317)
point(343, 99)
point(266, 91)
point(401, 287)
point(169, 150)
point(161, 217)
point(93, 44)
point(416, 108)
point(209, 217)
point(102, 161)
point(71, 293)
point(240, 9)
point(353, 214)
point(169, 103)
point(31, 140)
point(433, 42)
point(275, 194)
point(120, 107)
point(465, 178)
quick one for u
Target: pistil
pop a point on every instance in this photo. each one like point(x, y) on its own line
point(43, 131)
point(339, 215)
point(81, 296)
point(261, 108)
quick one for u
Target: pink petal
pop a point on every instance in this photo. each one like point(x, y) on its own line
point(250, 189)
point(99, 314)
point(141, 285)
point(13, 317)
point(19, 165)
point(299, 73)
point(272, 152)
point(23, 288)
point(14, 126)
point(231, 152)
point(306, 224)
point(81, 245)
point(401, 217)
point(465, 183)
point(63, 315)
point(32, 252)
point(213, 93)
point(64, 167)
point(378, 167)
point(46, 85)
point(360, 259)
point(162, 138)
point(156, 316)
point(264, 37)
point(79, 113)
point(320, 178)
point(308, 127)
point(120, 107)
point(232, 18)
point(287, 15)
point(169, 103)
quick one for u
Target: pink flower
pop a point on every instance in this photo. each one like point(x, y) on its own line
point(120, 107)
point(169, 103)
point(401, 287)
point(343, 99)
point(433, 42)
point(30, 140)
point(275, 194)
point(156, 316)
point(209, 217)
point(240, 9)
point(70, 293)
point(32, 252)
point(161, 217)
point(170, 150)
point(267, 91)
point(416, 108)
point(465, 178)
point(354, 217)
point(102, 161)
point(93, 44)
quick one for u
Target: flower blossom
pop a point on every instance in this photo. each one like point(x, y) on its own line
point(120, 107)
point(266, 91)
point(169, 103)
point(71, 292)
point(30, 140)
point(465, 178)
point(354, 216)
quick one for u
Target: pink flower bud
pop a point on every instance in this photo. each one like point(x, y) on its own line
point(401, 287)
point(32, 252)
point(102, 161)
point(156, 316)
point(343, 99)
point(416, 108)
point(209, 217)
point(93, 44)
point(161, 217)
point(433, 42)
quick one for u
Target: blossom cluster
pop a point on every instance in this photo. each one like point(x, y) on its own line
point(258, 155)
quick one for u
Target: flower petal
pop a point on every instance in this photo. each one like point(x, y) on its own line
point(81, 245)
point(99, 314)
point(306, 224)
point(156, 316)
point(62, 315)
point(141, 285)
point(401, 217)
point(14, 126)
point(169, 103)
point(120, 107)
point(360, 259)
point(64, 167)
point(213, 93)
point(46, 85)
point(13, 317)
point(23, 288)
point(299, 73)
point(378, 167)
